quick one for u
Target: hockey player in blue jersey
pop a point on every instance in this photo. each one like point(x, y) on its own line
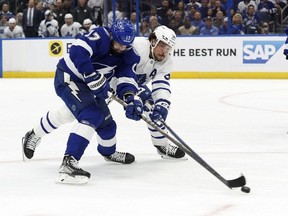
point(285, 52)
point(155, 66)
point(84, 87)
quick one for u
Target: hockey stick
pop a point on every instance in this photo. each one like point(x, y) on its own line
point(239, 182)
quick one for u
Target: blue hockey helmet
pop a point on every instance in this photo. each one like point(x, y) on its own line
point(122, 32)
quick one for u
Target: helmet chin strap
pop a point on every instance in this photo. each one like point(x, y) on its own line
point(153, 45)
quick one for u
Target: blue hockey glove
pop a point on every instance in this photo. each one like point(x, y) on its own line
point(145, 94)
point(160, 111)
point(98, 84)
point(134, 107)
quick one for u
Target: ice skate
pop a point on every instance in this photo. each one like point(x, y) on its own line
point(70, 173)
point(121, 157)
point(29, 143)
point(170, 152)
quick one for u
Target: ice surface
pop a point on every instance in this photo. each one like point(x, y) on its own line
point(237, 126)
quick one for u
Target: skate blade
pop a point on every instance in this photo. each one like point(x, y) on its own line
point(75, 180)
point(166, 157)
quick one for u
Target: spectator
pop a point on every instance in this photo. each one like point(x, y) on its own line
point(237, 21)
point(251, 21)
point(97, 10)
point(169, 16)
point(187, 28)
point(181, 9)
point(162, 11)
point(39, 6)
point(243, 6)
point(178, 20)
point(31, 20)
point(153, 12)
point(265, 28)
point(224, 5)
point(133, 21)
point(118, 14)
point(172, 25)
point(223, 30)
point(218, 7)
point(19, 19)
point(95, 3)
point(198, 22)
point(3, 25)
point(219, 19)
point(87, 26)
point(5, 11)
point(70, 28)
point(212, 5)
point(209, 28)
point(191, 12)
point(210, 13)
point(13, 31)
point(3, 21)
point(82, 12)
point(144, 29)
point(267, 11)
point(68, 6)
point(195, 3)
point(59, 13)
point(204, 8)
point(153, 23)
point(49, 26)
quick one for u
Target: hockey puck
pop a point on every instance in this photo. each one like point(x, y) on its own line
point(245, 189)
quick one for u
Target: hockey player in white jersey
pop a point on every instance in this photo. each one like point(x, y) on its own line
point(87, 26)
point(49, 26)
point(13, 30)
point(155, 66)
point(70, 28)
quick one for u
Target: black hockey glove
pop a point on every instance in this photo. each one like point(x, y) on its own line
point(98, 84)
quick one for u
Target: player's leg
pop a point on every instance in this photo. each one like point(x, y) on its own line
point(82, 105)
point(164, 148)
point(106, 137)
point(48, 123)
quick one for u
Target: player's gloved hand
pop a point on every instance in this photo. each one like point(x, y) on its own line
point(134, 107)
point(48, 24)
point(145, 94)
point(98, 84)
point(160, 111)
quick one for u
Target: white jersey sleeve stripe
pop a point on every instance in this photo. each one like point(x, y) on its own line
point(84, 45)
point(72, 67)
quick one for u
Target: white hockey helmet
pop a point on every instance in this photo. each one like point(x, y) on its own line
point(165, 35)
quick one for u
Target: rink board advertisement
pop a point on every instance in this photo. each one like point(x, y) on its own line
point(194, 57)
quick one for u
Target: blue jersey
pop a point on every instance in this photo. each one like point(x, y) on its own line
point(92, 52)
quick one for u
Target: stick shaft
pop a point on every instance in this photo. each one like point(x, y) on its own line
point(182, 145)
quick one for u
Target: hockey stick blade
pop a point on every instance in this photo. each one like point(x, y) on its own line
point(234, 183)
point(239, 182)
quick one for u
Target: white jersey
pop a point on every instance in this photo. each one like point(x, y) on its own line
point(83, 31)
point(16, 33)
point(70, 31)
point(150, 70)
point(48, 29)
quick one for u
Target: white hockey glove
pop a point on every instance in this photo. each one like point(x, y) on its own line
point(98, 84)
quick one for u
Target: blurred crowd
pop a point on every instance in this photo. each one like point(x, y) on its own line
point(69, 18)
